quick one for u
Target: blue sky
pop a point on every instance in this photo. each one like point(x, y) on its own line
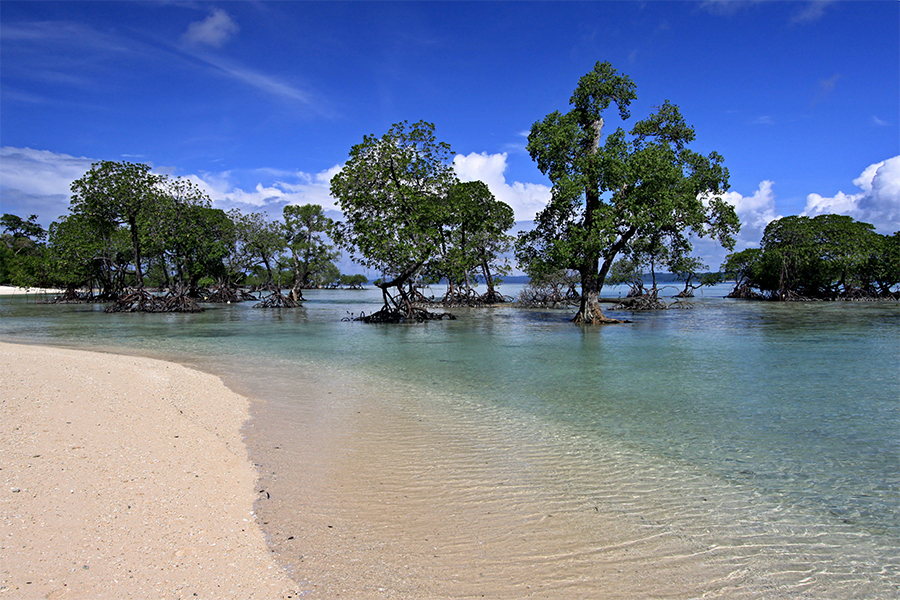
point(260, 102)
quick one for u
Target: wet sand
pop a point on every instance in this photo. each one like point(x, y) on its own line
point(369, 499)
point(125, 477)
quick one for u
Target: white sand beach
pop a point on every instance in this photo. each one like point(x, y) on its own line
point(125, 477)
point(11, 290)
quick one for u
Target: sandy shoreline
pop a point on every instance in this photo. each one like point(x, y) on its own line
point(125, 477)
point(9, 290)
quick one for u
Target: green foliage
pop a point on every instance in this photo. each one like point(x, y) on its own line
point(22, 251)
point(354, 282)
point(84, 253)
point(188, 238)
point(474, 238)
point(627, 271)
point(311, 257)
point(642, 187)
point(393, 191)
point(111, 194)
point(407, 216)
point(326, 275)
point(824, 257)
point(258, 241)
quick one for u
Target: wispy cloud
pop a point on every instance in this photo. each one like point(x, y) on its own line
point(810, 11)
point(260, 81)
point(825, 89)
point(62, 53)
point(763, 120)
point(73, 54)
point(880, 122)
point(813, 11)
point(214, 31)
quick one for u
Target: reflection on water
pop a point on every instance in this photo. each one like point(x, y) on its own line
point(731, 450)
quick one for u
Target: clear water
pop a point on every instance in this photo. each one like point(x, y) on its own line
point(762, 439)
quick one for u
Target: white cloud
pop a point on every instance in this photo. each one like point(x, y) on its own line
point(215, 30)
point(40, 172)
point(878, 203)
point(526, 199)
point(295, 187)
point(38, 181)
point(755, 212)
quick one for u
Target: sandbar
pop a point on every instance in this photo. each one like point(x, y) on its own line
point(125, 477)
point(11, 290)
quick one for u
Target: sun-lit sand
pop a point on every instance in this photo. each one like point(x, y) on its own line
point(10, 290)
point(125, 477)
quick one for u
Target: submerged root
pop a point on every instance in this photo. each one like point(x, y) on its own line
point(74, 297)
point(144, 301)
point(395, 315)
point(598, 320)
point(223, 294)
point(277, 300)
point(640, 303)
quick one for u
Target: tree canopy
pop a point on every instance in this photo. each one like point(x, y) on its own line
point(828, 257)
point(119, 193)
point(403, 208)
point(128, 228)
point(303, 230)
point(474, 243)
point(22, 251)
point(644, 184)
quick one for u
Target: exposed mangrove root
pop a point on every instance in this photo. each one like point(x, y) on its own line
point(640, 303)
point(144, 301)
point(224, 294)
point(599, 320)
point(465, 301)
point(548, 297)
point(461, 298)
point(277, 300)
point(75, 297)
point(744, 292)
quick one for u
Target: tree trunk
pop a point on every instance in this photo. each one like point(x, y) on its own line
point(132, 223)
point(299, 277)
point(271, 280)
point(488, 279)
point(589, 312)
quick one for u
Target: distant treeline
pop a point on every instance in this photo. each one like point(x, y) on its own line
point(128, 228)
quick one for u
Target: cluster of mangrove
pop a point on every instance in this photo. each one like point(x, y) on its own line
point(129, 230)
point(622, 202)
point(828, 257)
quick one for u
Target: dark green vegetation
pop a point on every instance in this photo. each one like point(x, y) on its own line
point(641, 194)
point(409, 217)
point(128, 229)
point(829, 257)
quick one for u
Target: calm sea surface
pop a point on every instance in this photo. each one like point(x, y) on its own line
point(734, 449)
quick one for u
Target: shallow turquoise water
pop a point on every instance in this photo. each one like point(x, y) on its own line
point(791, 413)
